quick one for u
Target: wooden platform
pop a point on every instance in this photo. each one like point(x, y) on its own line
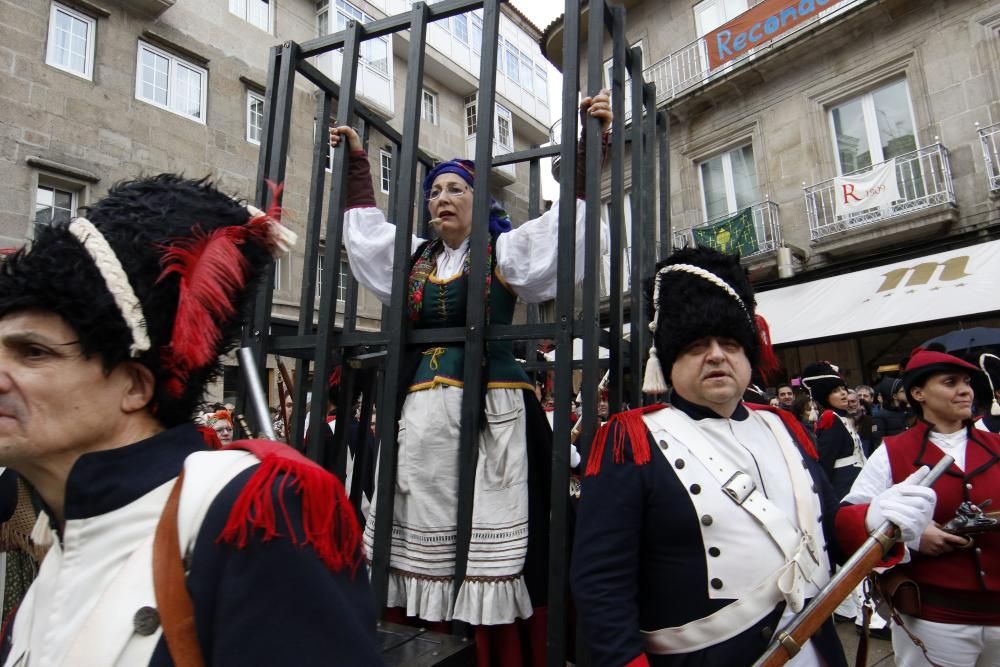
point(405, 646)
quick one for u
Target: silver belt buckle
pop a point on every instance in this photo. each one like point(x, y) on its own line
point(739, 487)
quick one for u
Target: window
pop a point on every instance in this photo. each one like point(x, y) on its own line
point(460, 28)
point(729, 182)
point(710, 14)
point(170, 83)
point(504, 128)
point(873, 127)
point(345, 275)
point(53, 204)
point(477, 31)
point(254, 12)
point(385, 170)
point(255, 117)
point(503, 123)
point(429, 107)
point(541, 84)
point(470, 116)
point(374, 53)
point(71, 41)
point(512, 63)
point(628, 80)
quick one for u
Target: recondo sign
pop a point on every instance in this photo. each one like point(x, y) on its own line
point(760, 23)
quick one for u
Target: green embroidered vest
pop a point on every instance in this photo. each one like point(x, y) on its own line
point(444, 305)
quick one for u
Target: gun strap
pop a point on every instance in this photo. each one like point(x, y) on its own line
point(170, 585)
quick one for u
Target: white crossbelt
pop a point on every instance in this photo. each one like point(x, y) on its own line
point(798, 546)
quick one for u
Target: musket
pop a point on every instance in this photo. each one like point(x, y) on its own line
point(257, 401)
point(789, 641)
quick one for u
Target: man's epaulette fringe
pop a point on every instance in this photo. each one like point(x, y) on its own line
point(621, 428)
point(826, 420)
point(794, 427)
point(329, 524)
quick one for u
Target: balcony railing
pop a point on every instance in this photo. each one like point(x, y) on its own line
point(990, 136)
point(924, 180)
point(767, 228)
point(688, 68)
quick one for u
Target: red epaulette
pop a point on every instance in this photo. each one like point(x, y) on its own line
point(826, 420)
point(794, 427)
point(621, 427)
point(329, 523)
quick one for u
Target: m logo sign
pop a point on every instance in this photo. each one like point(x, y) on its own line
point(922, 274)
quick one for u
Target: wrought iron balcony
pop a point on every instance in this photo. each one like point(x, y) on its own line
point(766, 227)
point(688, 67)
point(990, 136)
point(924, 180)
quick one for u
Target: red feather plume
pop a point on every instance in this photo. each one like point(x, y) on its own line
point(769, 364)
point(212, 270)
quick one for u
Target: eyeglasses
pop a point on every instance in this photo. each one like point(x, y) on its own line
point(453, 191)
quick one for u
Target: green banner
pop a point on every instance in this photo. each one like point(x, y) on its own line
point(731, 236)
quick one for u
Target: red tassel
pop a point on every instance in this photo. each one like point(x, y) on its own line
point(622, 427)
point(769, 363)
point(329, 523)
point(826, 420)
point(212, 270)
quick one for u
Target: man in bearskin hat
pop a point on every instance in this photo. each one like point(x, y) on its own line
point(840, 453)
point(955, 617)
point(703, 524)
point(162, 552)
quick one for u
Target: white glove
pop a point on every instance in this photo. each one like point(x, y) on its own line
point(574, 456)
point(907, 505)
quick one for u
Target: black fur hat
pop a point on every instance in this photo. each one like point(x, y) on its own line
point(821, 379)
point(703, 292)
point(191, 256)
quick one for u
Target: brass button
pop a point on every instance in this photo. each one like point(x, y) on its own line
point(679, 463)
point(714, 552)
point(695, 489)
point(663, 444)
point(706, 520)
point(716, 583)
point(146, 621)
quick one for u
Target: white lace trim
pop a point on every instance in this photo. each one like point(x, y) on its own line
point(116, 280)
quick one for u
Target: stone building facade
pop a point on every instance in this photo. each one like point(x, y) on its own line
point(97, 92)
point(824, 90)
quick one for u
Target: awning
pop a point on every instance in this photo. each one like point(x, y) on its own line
point(944, 285)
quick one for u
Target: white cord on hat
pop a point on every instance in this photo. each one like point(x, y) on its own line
point(654, 381)
point(281, 237)
point(116, 280)
point(995, 407)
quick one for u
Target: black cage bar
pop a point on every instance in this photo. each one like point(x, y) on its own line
point(373, 361)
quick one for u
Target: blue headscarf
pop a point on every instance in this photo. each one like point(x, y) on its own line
point(466, 169)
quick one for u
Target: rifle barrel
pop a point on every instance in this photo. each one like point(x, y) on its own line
point(790, 639)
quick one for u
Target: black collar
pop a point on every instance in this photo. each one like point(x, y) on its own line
point(101, 482)
point(699, 412)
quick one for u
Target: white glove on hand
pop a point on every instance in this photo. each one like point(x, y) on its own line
point(908, 506)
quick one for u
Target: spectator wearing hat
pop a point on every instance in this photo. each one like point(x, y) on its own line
point(840, 452)
point(956, 617)
point(161, 551)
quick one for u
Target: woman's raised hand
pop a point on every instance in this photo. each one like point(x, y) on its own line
point(353, 141)
point(599, 106)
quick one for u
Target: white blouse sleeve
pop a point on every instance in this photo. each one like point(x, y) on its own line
point(369, 240)
point(527, 257)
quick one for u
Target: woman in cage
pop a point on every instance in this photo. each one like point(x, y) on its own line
point(506, 575)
